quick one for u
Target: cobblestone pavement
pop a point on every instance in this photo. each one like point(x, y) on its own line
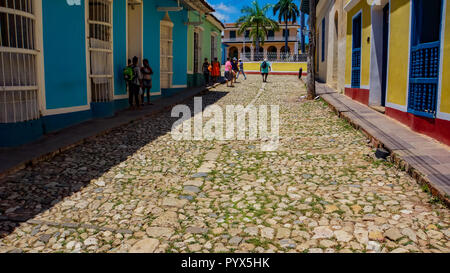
point(136, 189)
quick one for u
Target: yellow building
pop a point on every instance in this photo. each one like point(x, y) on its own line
point(241, 46)
point(398, 56)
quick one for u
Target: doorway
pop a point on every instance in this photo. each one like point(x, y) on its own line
point(385, 53)
point(135, 18)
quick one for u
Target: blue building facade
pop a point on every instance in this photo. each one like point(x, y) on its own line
point(65, 64)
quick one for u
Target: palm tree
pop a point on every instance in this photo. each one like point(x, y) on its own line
point(288, 12)
point(256, 21)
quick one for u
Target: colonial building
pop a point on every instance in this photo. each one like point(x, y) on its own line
point(398, 57)
point(62, 61)
point(330, 42)
point(204, 41)
point(241, 46)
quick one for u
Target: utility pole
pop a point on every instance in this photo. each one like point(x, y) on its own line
point(311, 81)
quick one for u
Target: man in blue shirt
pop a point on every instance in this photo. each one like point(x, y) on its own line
point(265, 68)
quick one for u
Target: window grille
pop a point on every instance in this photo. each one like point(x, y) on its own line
point(323, 40)
point(425, 59)
point(166, 56)
point(100, 49)
point(196, 52)
point(213, 48)
point(18, 56)
point(356, 52)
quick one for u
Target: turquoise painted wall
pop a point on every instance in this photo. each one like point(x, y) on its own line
point(179, 47)
point(64, 54)
point(151, 31)
point(120, 45)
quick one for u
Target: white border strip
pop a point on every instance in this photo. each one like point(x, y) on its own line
point(396, 107)
point(350, 5)
point(409, 53)
point(67, 110)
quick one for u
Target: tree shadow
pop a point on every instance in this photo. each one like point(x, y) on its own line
point(37, 188)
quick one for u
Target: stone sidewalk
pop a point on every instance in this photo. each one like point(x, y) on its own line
point(17, 158)
point(424, 158)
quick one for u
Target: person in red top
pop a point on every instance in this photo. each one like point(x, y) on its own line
point(215, 70)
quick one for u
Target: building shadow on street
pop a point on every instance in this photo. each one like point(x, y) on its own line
point(37, 188)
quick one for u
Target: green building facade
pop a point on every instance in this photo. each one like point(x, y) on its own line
point(204, 41)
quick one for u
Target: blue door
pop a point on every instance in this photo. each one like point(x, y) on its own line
point(356, 52)
point(425, 58)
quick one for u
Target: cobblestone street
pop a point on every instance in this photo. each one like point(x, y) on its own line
point(138, 190)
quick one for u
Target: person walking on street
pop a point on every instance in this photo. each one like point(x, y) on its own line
point(265, 68)
point(147, 73)
point(206, 71)
point(241, 69)
point(135, 84)
point(235, 68)
point(229, 72)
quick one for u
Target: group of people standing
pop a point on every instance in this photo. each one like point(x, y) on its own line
point(139, 82)
point(211, 71)
point(139, 78)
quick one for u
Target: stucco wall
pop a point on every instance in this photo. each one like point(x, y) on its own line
point(398, 63)
point(152, 19)
point(64, 54)
point(120, 45)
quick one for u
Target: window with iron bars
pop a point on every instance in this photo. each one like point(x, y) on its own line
point(197, 51)
point(213, 48)
point(100, 50)
point(19, 89)
point(166, 59)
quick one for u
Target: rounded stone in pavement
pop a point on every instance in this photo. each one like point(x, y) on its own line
point(146, 245)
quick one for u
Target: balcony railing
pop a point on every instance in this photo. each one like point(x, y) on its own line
point(274, 57)
point(268, 39)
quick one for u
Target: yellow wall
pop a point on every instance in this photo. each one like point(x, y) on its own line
point(276, 67)
point(399, 52)
point(445, 91)
point(365, 46)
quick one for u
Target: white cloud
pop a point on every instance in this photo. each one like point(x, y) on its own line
point(222, 17)
point(224, 8)
point(223, 11)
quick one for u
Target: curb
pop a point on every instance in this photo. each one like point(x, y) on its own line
point(395, 156)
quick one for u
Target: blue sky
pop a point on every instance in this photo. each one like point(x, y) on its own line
point(228, 11)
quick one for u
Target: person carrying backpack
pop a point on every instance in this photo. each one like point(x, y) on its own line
point(241, 69)
point(265, 68)
point(135, 84)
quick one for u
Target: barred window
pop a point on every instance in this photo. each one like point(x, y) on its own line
point(100, 49)
point(213, 47)
point(166, 60)
point(18, 76)
point(196, 52)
